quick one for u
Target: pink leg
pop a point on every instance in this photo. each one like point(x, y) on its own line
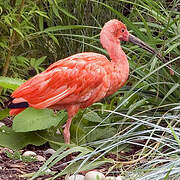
point(67, 132)
point(72, 110)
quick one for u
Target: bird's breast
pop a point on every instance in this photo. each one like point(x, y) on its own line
point(118, 77)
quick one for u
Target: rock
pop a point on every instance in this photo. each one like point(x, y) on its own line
point(94, 175)
point(40, 158)
point(2, 124)
point(49, 151)
point(76, 177)
point(29, 153)
point(6, 149)
point(47, 170)
point(110, 178)
point(119, 178)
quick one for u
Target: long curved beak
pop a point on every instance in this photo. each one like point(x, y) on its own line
point(143, 45)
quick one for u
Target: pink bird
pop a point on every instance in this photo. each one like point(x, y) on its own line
point(81, 79)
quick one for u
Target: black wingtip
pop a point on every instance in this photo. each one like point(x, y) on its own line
point(18, 105)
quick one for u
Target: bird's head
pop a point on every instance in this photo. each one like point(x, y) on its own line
point(115, 31)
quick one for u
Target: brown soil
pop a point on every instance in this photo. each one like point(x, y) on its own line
point(16, 169)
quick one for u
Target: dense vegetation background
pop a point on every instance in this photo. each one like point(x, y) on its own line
point(142, 118)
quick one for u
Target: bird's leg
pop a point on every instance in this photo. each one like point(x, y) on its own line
point(66, 131)
point(72, 110)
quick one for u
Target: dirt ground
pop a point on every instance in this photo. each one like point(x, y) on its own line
point(11, 169)
point(15, 169)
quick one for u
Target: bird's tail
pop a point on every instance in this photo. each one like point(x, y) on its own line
point(17, 105)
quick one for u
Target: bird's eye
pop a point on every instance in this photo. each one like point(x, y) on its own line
point(122, 30)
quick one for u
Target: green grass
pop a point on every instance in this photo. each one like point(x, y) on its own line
point(143, 115)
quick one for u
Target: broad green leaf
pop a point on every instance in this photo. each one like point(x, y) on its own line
point(92, 116)
point(36, 119)
point(10, 83)
point(4, 113)
point(153, 64)
point(16, 141)
point(101, 133)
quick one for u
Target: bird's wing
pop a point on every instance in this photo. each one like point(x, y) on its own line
point(75, 78)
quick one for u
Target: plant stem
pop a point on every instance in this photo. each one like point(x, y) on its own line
point(10, 46)
point(8, 57)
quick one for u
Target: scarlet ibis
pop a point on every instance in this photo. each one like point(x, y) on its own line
point(81, 79)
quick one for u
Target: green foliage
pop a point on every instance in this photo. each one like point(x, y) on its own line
point(21, 24)
point(4, 113)
point(92, 116)
point(34, 119)
point(17, 156)
point(134, 119)
point(16, 141)
point(10, 83)
point(76, 165)
point(35, 63)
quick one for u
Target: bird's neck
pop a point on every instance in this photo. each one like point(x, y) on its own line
point(112, 45)
point(120, 67)
point(117, 55)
